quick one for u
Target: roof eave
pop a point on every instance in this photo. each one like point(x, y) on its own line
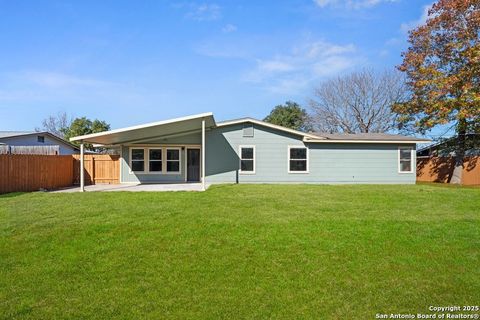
point(366, 141)
point(142, 126)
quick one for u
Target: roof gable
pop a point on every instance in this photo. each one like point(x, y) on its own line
point(268, 125)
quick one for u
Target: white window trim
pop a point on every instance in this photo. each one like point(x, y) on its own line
point(179, 160)
point(145, 157)
point(288, 159)
point(412, 160)
point(240, 159)
point(162, 160)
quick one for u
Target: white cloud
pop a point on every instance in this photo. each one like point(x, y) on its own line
point(67, 88)
point(351, 4)
point(274, 66)
point(383, 53)
point(407, 26)
point(59, 80)
point(229, 28)
point(203, 12)
point(289, 73)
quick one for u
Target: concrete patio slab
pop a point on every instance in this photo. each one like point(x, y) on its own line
point(136, 187)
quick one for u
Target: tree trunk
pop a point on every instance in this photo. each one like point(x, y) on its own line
point(459, 153)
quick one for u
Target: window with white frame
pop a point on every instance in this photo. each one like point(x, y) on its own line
point(173, 160)
point(405, 159)
point(297, 159)
point(247, 159)
point(137, 159)
point(155, 160)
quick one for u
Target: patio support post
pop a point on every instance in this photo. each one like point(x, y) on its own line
point(82, 168)
point(203, 154)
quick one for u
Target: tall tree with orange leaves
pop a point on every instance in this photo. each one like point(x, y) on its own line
point(442, 65)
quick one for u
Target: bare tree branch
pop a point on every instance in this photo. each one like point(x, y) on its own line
point(358, 102)
point(56, 124)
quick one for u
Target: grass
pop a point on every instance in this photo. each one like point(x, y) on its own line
point(239, 251)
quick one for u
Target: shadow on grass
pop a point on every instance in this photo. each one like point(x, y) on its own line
point(12, 194)
point(446, 185)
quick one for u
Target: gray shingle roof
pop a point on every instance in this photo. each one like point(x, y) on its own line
point(8, 134)
point(366, 136)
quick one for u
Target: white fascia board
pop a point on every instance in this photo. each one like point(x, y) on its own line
point(365, 141)
point(142, 126)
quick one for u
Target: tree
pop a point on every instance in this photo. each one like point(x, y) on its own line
point(442, 65)
point(56, 124)
point(289, 115)
point(83, 126)
point(359, 102)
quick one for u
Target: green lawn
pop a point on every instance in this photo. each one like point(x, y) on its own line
point(239, 251)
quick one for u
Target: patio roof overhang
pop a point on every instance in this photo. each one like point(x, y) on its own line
point(150, 131)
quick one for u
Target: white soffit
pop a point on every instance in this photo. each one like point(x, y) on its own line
point(150, 131)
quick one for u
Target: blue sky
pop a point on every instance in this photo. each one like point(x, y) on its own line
point(131, 62)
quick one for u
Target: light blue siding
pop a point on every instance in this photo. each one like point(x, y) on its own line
point(328, 162)
point(31, 140)
point(134, 177)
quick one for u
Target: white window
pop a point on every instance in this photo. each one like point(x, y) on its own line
point(155, 160)
point(173, 160)
point(247, 159)
point(137, 162)
point(297, 159)
point(405, 159)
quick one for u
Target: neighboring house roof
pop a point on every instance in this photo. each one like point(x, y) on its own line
point(447, 146)
point(191, 124)
point(14, 134)
point(10, 134)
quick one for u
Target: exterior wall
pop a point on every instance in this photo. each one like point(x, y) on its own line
point(328, 162)
point(126, 176)
point(31, 140)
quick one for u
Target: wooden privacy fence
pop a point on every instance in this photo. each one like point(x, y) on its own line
point(99, 168)
point(43, 150)
point(440, 169)
point(21, 172)
point(34, 172)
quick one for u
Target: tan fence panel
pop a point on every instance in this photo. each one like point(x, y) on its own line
point(34, 172)
point(440, 169)
point(471, 171)
point(102, 168)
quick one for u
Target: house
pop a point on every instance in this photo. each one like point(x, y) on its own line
point(446, 147)
point(198, 149)
point(32, 142)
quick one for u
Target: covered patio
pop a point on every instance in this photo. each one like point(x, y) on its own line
point(165, 155)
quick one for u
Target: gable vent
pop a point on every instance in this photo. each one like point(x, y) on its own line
point(248, 130)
